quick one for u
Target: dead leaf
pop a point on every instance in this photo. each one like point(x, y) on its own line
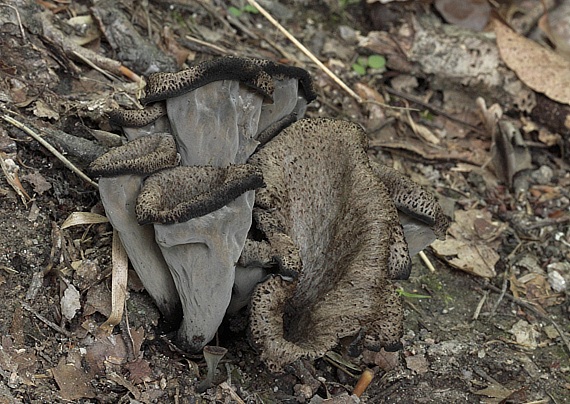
point(525, 334)
point(73, 382)
point(80, 218)
point(472, 243)
point(495, 391)
point(374, 104)
point(69, 302)
point(85, 30)
point(510, 154)
point(539, 68)
point(139, 371)
point(38, 182)
point(98, 300)
point(417, 363)
point(10, 169)
point(43, 110)
point(104, 352)
point(119, 285)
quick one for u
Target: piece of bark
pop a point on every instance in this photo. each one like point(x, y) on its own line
point(135, 51)
point(454, 59)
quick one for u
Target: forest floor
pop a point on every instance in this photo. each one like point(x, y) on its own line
point(489, 323)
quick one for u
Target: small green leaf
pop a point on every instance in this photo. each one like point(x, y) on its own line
point(403, 293)
point(359, 69)
point(376, 61)
point(236, 12)
point(251, 9)
point(362, 61)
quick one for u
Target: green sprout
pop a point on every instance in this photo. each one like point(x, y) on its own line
point(236, 12)
point(363, 63)
point(403, 293)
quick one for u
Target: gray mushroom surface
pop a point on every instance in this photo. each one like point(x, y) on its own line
point(201, 212)
point(123, 171)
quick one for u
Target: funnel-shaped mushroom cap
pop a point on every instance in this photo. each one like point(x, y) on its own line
point(183, 193)
point(123, 170)
point(202, 254)
point(144, 155)
point(326, 198)
point(213, 355)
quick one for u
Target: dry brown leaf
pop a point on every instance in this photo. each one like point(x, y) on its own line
point(539, 68)
point(38, 181)
point(139, 371)
point(73, 382)
point(472, 243)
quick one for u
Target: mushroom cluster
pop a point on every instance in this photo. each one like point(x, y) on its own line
point(224, 197)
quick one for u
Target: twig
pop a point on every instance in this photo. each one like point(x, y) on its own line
point(44, 320)
point(212, 46)
point(433, 109)
point(501, 295)
point(306, 51)
point(536, 312)
point(19, 20)
point(426, 261)
point(50, 148)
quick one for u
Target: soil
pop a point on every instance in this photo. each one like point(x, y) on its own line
point(468, 338)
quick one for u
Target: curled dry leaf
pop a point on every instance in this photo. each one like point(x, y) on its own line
point(79, 218)
point(539, 68)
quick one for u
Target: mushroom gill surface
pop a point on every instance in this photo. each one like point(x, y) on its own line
point(324, 202)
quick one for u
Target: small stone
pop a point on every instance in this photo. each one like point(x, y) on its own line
point(557, 281)
point(543, 175)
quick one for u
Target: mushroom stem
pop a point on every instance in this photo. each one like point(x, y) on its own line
point(212, 355)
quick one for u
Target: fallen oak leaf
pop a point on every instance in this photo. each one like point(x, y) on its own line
point(539, 68)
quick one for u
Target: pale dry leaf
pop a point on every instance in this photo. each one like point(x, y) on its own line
point(70, 302)
point(495, 391)
point(538, 67)
point(81, 218)
point(43, 110)
point(525, 334)
point(119, 287)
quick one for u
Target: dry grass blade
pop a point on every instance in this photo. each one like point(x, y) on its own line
point(119, 285)
point(80, 218)
point(51, 149)
point(304, 49)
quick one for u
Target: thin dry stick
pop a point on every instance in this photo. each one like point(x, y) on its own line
point(306, 51)
point(44, 320)
point(19, 20)
point(426, 261)
point(50, 148)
